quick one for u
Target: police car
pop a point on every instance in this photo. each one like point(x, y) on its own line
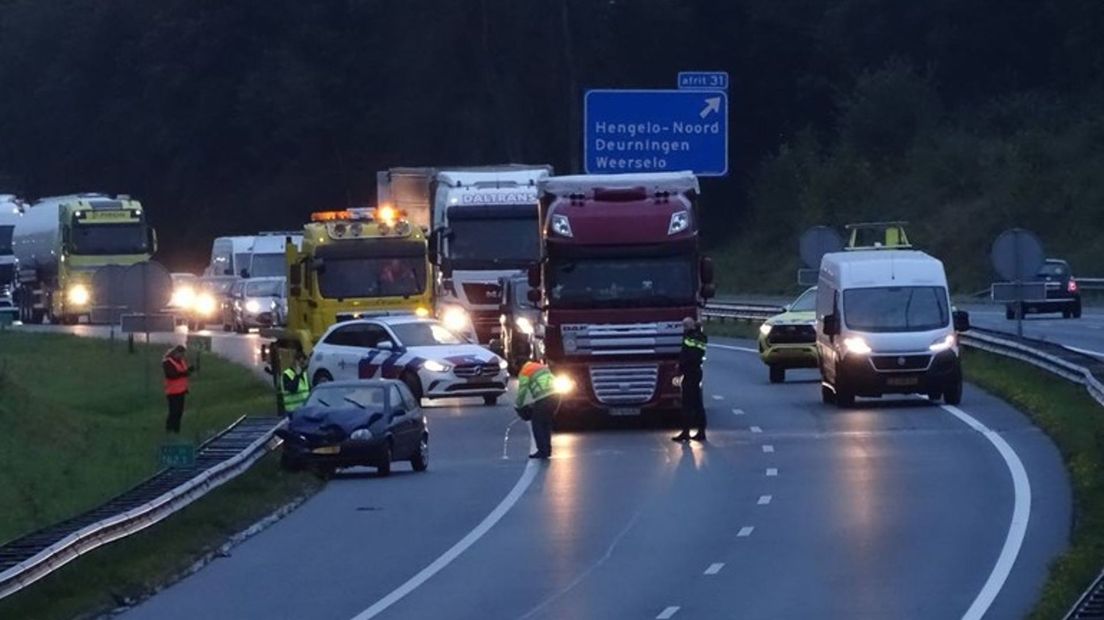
point(431, 360)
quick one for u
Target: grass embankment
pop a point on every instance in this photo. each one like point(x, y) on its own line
point(1075, 422)
point(83, 420)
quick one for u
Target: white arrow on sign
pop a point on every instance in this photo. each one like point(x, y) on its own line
point(712, 104)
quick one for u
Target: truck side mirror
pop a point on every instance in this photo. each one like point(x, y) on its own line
point(961, 320)
point(151, 235)
point(534, 278)
point(708, 291)
point(705, 269)
point(534, 295)
point(831, 325)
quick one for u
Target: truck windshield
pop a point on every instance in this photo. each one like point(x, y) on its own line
point(622, 282)
point(372, 277)
point(896, 308)
point(268, 266)
point(493, 242)
point(109, 239)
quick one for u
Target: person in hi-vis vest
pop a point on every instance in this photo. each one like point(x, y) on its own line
point(177, 371)
point(294, 385)
point(537, 402)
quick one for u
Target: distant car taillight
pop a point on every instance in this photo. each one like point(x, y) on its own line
point(1072, 286)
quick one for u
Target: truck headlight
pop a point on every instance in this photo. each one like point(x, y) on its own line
point(563, 384)
point(435, 366)
point(856, 345)
point(680, 221)
point(455, 319)
point(252, 306)
point(204, 304)
point(182, 297)
point(524, 325)
point(765, 329)
point(78, 295)
point(361, 434)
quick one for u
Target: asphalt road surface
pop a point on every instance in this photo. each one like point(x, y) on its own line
point(895, 509)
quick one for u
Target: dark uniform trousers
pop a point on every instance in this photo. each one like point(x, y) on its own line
point(693, 406)
point(541, 423)
point(176, 411)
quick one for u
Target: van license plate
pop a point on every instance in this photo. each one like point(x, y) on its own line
point(624, 411)
point(902, 381)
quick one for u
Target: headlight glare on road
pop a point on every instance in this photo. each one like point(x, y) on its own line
point(942, 344)
point(524, 325)
point(78, 295)
point(252, 306)
point(765, 329)
point(563, 384)
point(856, 345)
point(361, 434)
point(435, 366)
point(455, 319)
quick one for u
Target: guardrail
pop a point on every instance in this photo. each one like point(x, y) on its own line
point(739, 311)
point(221, 458)
point(1091, 284)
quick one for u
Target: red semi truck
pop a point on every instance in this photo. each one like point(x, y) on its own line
point(620, 268)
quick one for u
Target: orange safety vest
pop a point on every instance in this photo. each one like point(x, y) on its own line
point(180, 384)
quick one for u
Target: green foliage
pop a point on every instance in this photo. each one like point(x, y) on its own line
point(83, 420)
point(1075, 422)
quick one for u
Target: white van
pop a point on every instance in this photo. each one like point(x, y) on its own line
point(885, 325)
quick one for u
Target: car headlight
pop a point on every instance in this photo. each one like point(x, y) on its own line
point(205, 304)
point(252, 306)
point(435, 366)
point(78, 295)
point(524, 325)
point(182, 297)
point(455, 319)
point(361, 434)
point(765, 329)
point(563, 384)
point(942, 344)
point(503, 364)
point(856, 345)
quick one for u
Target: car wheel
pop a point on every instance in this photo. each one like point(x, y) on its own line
point(1077, 310)
point(325, 472)
point(384, 468)
point(1009, 313)
point(953, 394)
point(777, 374)
point(490, 400)
point(827, 396)
point(322, 376)
point(420, 461)
point(935, 396)
point(289, 463)
point(413, 383)
point(1067, 314)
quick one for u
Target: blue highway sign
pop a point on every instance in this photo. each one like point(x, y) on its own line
point(703, 80)
point(656, 131)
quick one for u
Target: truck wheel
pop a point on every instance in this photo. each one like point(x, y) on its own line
point(777, 374)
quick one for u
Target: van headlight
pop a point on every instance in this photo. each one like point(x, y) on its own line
point(252, 306)
point(361, 434)
point(856, 345)
point(435, 366)
point(942, 344)
point(765, 329)
point(524, 325)
point(78, 295)
point(455, 319)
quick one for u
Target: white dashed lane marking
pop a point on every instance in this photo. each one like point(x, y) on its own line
point(714, 568)
point(745, 531)
point(756, 429)
point(772, 471)
point(768, 448)
point(718, 397)
point(737, 412)
point(667, 613)
point(764, 500)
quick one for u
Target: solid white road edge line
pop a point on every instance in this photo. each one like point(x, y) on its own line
point(1021, 513)
point(667, 613)
point(734, 348)
point(454, 552)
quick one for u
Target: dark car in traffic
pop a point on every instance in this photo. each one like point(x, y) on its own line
point(371, 423)
point(1062, 293)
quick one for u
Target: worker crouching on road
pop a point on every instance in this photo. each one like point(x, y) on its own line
point(691, 358)
point(537, 402)
point(294, 385)
point(177, 371)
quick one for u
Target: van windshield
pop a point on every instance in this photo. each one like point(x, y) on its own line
point(896, 308)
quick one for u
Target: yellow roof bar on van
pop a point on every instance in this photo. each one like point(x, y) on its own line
point(877, 236)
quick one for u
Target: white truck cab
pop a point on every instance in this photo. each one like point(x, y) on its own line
point(885, 325)
point(230, 256)
point(268, 259)
point(485, 228)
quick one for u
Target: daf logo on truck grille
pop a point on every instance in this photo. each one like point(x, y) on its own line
point(901, 361)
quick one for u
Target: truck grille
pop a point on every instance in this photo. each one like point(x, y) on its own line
point(792, 334)
point(622, 339)
point(891, 363)
point(466, 371)
point(624, 385)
